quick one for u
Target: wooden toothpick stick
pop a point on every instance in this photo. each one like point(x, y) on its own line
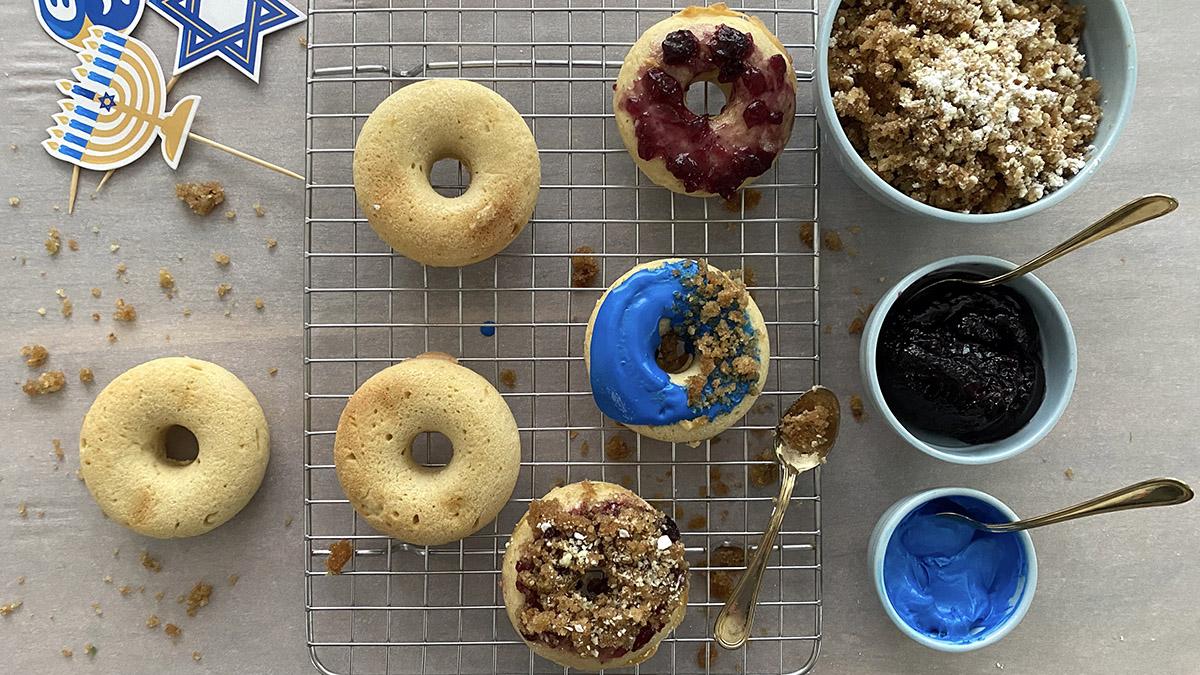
point(249, 158)
point(74, 190)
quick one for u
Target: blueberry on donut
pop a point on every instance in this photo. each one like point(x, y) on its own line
point(676, 350)
point(703, 155)
point(594, 577)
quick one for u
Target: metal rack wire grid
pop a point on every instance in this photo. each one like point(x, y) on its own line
point(402, 609)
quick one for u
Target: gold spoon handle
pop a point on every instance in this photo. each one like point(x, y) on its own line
point(1137, 211)
point(737, 616)
point(1154, 492)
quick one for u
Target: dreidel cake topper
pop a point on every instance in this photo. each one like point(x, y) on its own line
point(117, 107)
point(231, 30)
point(68, 21)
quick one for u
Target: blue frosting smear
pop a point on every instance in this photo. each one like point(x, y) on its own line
point(948, 580)
point(627, 383)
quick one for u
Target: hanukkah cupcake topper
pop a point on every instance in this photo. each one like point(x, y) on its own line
point(117, 107)
point(68, 21)
point(231, 30)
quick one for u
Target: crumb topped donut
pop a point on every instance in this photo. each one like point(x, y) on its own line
point(437, 119)
point(703, 155)
point(594, 577)
point(123, 451)
point(403, 498)
point(676, 350)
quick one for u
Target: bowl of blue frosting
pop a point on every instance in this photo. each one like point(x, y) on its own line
point(945, 584)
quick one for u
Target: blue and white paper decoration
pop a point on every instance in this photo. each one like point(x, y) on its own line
point(68, 21)
point(231, 30)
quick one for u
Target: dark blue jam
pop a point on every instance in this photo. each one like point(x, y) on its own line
point(705, 159)
point(961, 361)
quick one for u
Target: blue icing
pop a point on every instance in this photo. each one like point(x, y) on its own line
point(488, 329)
point(627, 383)
point(948, 580)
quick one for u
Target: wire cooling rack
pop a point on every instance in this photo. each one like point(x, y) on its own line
point(402, 609)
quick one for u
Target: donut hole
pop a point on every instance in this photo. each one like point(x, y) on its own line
point(674, 354)
point(705, 98)
point(432, 450)
point(592, 584)
point(179, 445)
point(449, 177)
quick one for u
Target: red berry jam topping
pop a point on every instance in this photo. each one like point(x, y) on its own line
point(601, 579)
point(713, 153)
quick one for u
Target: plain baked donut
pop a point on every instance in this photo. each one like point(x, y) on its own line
point(438, 119)
point(712, 318)
point(594, 577)
point(703, 155)
point(122, 447)
point(403, 498)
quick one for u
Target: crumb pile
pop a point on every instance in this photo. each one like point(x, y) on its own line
point(714, 322)
point(806, 429)
point(584, 267)
point(201, 198)
point(601, 579)
point(965, 105)
point(722, 581)
point(340, 553)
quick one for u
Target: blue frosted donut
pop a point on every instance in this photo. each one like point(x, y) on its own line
point(720, 328)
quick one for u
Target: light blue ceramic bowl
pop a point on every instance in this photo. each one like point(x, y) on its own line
point(877, 549)
point(1112, 59)
point(1058, 359)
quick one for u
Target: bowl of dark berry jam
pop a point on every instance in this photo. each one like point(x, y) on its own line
point(966, 374)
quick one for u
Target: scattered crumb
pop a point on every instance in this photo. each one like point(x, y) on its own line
point(21, 580)
point(271, 243)
point(259, 210)
point(508, 378)
point(223, 289)
point(151, 563)
point(831, 240)
point(302, 40)
point(97, 609)
point(616, 449)
point(196, 656)
point(53, 241)
point(721, 582)
point(230, 214)
point(86, 375)
point(752, 197)
point(272, 371)
point(584, 267)
point(201, 198)
point(859, 322)
point(159, 596)
point(187, 311)
point(48, 382)
point(23, 509)
point(59, 455)
point(114, 247)
point(763, 475)
point(287, 522)
point(719, 487)
point(221, 259)
point(857, 411)
point(35, 355)
point(66, 307)
point(11, 607)
point(111, 337)
point(125, 312)
point(67, 652)
point(174, 632)
point(339, 555)
point(14, 202)
point(121, 270)
point(573, 435)
point(584, 449)
point(1070, 474)
point(166, 281)
point(198, 597)
point(706, 655)
point(697, 522)
point(73, 244)
point(233, 579)
point(41, 311)
point(125, 591)
point(259, 304)
point(806, 235)
point(152, 621)
point(89, 649)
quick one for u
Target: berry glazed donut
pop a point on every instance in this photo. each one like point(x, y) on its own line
point(123, 447)
point(594, 577)
point(703, 155)
point(698, 318)
point(437, 119)
point(397, 495)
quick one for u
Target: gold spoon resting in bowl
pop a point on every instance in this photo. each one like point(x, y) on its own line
point(1123, 217)
point(803, 438)
point(1153, 492)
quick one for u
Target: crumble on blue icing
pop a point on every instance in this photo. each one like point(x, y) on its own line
point(948, 580)
point(627, 383)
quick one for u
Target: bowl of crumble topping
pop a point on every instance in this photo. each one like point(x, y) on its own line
point(973, 111)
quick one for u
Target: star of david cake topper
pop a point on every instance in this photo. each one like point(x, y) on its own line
point(231, 30)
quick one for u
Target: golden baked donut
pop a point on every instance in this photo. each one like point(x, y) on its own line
point(703, 155)
point(403, 498)
point(438, 119)
point(710, 316)
point(594, 577)
point(122, 447)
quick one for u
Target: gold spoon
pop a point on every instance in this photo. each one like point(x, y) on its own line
point(1154, 492)
point(1123, 217)
point(734, 622)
